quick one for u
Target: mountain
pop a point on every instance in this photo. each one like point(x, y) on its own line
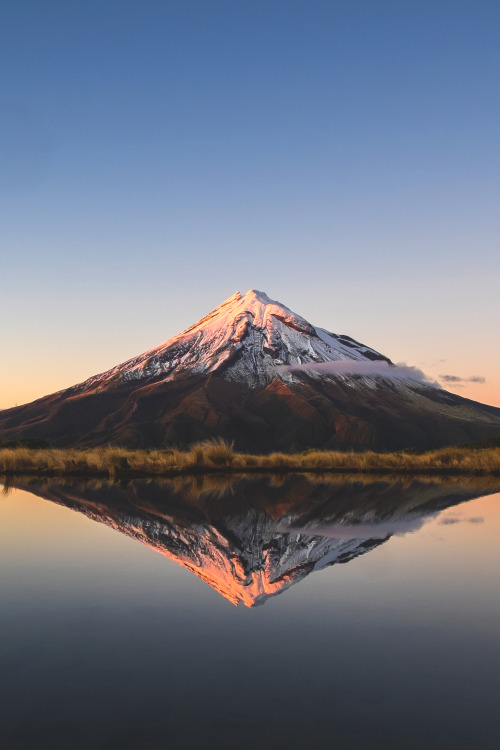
point(250, 540)
point(254, 372)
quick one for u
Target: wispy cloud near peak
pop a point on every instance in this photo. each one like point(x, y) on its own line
point(341, 368)
point(457, 380)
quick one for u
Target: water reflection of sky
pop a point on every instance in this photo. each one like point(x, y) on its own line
point(107, 644)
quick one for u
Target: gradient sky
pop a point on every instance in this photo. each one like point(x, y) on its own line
point(156, 157)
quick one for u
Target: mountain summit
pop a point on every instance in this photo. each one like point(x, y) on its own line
point(255, 372)
point(247, 339)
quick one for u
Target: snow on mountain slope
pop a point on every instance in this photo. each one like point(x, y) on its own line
point(248, 336)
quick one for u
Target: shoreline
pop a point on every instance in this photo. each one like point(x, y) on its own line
point(128, 476)
point(218, 457)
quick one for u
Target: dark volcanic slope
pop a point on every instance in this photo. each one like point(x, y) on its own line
point(232, 375)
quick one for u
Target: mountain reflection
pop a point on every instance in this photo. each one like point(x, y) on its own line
point(252, 538)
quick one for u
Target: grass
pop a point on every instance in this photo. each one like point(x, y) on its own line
point(217, 455)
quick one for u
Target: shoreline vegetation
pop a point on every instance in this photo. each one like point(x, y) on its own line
point(217, 456)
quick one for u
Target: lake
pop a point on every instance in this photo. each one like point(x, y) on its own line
point(234, 612)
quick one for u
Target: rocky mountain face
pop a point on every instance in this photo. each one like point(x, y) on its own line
point(253, 539)
point(255, 373)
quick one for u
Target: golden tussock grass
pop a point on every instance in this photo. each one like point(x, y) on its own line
point(219, 456)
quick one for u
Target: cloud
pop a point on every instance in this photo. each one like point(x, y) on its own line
point(380, 368)
point(376, 530)
point(381, 530)
point(457, 380)
point(451, 520)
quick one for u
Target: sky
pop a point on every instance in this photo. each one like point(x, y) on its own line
point(157, 156)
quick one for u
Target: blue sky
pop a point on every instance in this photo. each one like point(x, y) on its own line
point(155, 157)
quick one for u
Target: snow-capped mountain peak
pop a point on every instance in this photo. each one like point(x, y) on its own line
point(247, 338)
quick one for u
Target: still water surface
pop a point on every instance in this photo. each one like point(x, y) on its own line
point(233, 613)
